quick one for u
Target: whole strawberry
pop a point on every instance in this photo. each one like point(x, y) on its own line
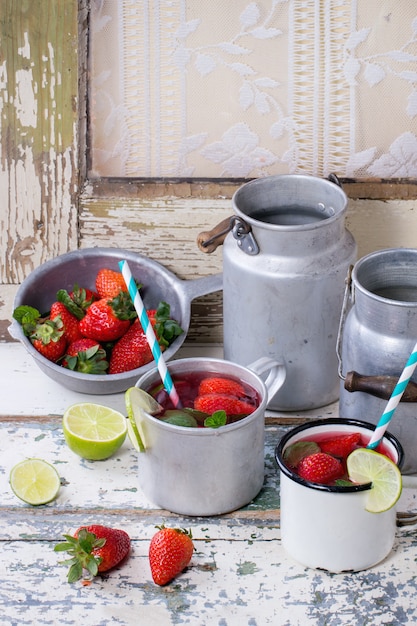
point(170, 552)
point(109, 283)
point(320, 468)
point(86, 356)
point(94, 549)
point(132, 350)
point(83, 297)
point(217, 384)
point(108, 320)
point(341, 445)
point(48, 338)
point(71, 328)
point(212, 402)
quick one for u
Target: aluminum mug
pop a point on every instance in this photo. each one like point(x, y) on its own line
point(206, 471)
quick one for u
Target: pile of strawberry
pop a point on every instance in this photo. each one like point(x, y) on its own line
point(96, 332)
point(325, 462)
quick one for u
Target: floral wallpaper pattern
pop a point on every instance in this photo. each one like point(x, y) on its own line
point(197, 89)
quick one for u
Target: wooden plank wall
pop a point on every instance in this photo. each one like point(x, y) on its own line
point(48, 208)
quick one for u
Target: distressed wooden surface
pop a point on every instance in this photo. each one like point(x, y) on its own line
point(239, 573)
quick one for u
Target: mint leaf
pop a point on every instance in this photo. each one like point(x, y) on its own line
point(219, 418)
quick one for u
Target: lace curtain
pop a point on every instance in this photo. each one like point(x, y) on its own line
point(217, 89)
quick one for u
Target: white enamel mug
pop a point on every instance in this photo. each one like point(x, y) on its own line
point(327, 527)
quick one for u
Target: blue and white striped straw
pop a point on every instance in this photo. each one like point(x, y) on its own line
point(149, 332)
point(394, 400)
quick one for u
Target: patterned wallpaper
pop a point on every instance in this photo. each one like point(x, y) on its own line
point(191, 88)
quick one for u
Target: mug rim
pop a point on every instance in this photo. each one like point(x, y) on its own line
point(279, 449)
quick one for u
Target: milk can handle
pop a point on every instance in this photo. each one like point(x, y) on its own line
point(348, 289)
point(276, 377)
point(208, 241)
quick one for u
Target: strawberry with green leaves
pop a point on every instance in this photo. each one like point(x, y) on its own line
point(46, 335)
point(94, 549)
point(86, 356)
point(133, 351)
point(71, 328)
point(170, 552)
point(107, 320)
point(83, 297)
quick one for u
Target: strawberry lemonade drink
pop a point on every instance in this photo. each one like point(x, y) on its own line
point(205, 468)
point(337, 497)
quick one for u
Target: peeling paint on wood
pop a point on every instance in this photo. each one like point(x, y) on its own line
point(239, 572)
point(38, 131)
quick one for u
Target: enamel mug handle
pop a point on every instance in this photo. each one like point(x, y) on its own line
point(276, 376)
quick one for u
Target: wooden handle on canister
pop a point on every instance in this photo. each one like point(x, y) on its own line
point(379, 386)
point(208, 241)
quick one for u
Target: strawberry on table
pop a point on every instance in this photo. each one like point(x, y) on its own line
point(170, 552)
point(86, 356)
point(341, 445)
point(109, 283)
point(212, 402)
point(108, 320)
point(320, 468)
point(94, 549)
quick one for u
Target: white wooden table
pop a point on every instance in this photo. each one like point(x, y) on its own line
point(239, 573)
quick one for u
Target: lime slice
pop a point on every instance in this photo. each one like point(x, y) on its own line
point(35, 481)
point(364, 466)
point(93, 431)
point(138, 401)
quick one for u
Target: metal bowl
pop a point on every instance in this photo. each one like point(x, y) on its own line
point(81, 266)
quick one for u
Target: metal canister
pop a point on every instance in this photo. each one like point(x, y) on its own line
point(284, 266)
point(378, 331)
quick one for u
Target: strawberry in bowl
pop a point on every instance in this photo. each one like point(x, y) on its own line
point(75, 293)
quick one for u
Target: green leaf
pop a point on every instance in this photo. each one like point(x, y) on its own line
point(64, 297)
point(219, 418)
point(298, 450)
point(75, 572)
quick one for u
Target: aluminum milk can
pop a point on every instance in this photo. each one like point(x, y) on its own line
point(378, 331)
point(284, 266)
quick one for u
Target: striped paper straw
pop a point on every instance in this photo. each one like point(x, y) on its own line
point(394, 400)
point(149, 332)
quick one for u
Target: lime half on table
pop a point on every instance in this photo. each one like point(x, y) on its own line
point(35, 481)
point(365, 465)
point(93, 431)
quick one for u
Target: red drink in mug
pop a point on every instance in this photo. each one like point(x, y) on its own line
point(324, 523)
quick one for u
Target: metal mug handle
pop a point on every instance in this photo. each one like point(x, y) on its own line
point(276, 377)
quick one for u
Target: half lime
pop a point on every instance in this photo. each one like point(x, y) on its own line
point(93, 431)
point(35, 481)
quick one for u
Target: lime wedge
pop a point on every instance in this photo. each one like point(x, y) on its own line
point(93, 431)
point(364, 466)
point(35, 481)
point(138, 401)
